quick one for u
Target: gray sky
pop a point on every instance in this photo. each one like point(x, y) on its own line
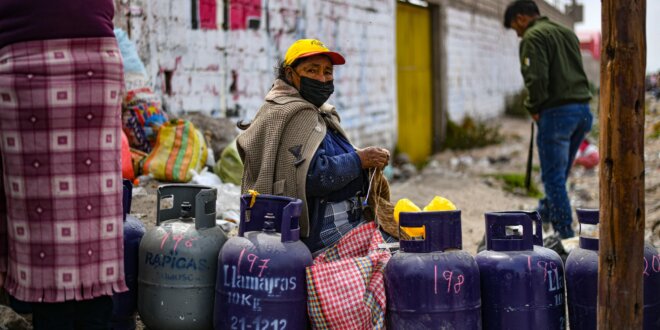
point(592, 23)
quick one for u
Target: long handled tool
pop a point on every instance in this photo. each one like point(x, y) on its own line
point(530, 156)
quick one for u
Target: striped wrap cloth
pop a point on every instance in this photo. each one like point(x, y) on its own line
point(60, 103)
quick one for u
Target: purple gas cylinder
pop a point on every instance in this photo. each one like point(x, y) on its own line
point(125, 304)
point(261, 272)
point(522, 282)
point(582, 280)
point(432, 283)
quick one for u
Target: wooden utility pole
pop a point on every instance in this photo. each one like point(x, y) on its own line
point(623, 65)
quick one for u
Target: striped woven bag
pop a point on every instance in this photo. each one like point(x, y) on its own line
point(180, 148)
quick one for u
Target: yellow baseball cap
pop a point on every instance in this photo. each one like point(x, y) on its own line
point(310, 47)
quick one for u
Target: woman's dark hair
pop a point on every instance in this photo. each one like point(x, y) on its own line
point(280, 70)
point(280, 73)
point(520, 7)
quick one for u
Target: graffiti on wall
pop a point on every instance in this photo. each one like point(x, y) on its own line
point(225, 14)
point(244, 14)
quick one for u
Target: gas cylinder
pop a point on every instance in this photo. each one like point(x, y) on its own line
point(261, 272)
point(178, 260)
point(125, 304)
point(582, 279)
point(522, 282)
point(431, 283)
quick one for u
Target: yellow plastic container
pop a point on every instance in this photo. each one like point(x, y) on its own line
point(440, 204)
point(406, 205)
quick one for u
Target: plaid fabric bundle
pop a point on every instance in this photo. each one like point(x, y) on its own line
point(345, 285)
point(60, 146)
point(180, 148)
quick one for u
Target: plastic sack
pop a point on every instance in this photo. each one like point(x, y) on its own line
point(587, 155)
point(179, 149)
point(230, 166)
point(127, 171)
point(129, 54)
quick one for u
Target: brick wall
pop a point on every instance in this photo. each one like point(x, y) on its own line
point(482, 64)
point(482, 67)
point(228, 72)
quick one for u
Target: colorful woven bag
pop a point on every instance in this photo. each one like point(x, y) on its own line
point(180, 147)
point(142, 117)
point(345, 285)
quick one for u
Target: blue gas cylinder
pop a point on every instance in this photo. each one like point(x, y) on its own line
point(522, 282)
point(125, 304)
point(582, 279)
point(261, 272)
point(432, 283)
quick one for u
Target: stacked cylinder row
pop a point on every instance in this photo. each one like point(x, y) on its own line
point(192, 277)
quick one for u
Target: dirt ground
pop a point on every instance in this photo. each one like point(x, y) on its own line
point(462, 177)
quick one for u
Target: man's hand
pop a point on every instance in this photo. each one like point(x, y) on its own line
point(536, 117)
point(371, 157)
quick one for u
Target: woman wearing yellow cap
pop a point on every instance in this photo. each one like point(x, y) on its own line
point(296, 147)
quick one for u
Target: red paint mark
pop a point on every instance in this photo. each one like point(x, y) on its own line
point(162, 243)
point(646, 267)
point(241, 12)
point(189, 244)
point(263, 266)
point(447, 275)
point(207, 15)
point(459, 284)
point(254, 258)
point(435, 279)
point(240, 257)
point(529, 263)
point(177, 239)
point(543, 265)
point(656, 260)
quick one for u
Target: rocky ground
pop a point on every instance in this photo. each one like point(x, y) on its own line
point(464, 177)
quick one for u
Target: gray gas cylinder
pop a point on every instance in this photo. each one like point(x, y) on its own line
point(178, 260)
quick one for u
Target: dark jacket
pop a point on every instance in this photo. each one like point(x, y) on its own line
point(551, 64)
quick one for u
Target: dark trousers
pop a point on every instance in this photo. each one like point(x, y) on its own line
point(91, 314)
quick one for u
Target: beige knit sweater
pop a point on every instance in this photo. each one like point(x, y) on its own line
point(279, 145)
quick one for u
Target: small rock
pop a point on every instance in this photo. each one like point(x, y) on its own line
point(401, 159)
point(408, 170)
point(10, 320)
point(502, 159)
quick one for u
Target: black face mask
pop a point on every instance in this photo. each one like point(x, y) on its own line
point(314, 91)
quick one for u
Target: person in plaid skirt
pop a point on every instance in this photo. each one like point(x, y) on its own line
point(61, 78)
point(296, 147)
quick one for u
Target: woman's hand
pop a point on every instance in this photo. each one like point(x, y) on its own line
point(371, 157)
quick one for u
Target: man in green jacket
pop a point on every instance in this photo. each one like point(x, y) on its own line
point(558, 89)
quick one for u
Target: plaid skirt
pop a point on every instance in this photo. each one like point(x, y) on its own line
point(61, 231)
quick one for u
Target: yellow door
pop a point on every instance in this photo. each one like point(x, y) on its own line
point(413, 50)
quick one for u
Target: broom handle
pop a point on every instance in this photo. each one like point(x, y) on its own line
point(530, 154)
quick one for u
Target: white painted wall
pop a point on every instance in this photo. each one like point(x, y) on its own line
point(482, 58)
point(482, 65)
point(205, 63)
